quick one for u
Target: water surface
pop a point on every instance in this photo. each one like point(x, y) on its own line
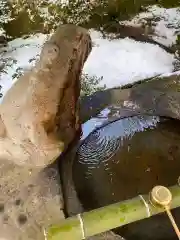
point(126, 158)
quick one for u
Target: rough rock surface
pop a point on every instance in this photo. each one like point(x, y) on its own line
point(39, 114)
point(159, 96)
point(39, 118)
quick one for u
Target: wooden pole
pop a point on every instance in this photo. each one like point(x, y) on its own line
point(106, 218)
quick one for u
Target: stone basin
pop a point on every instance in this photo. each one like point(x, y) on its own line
point(98, 181)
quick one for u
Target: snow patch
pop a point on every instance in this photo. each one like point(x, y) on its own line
point(123, 61)
point(166, 23)
point(170, 74)
point(19, 55)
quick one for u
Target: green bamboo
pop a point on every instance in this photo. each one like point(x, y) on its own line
point(109, 217)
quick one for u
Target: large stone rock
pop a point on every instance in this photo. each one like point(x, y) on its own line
point(39, 118)
point(40, 114)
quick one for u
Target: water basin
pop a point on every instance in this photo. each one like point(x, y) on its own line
point(124, 159)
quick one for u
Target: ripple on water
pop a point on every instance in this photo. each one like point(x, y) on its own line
point(111, 138)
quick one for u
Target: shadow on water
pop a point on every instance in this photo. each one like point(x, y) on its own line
point(126, 158)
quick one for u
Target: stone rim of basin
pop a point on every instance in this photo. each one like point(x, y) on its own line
point(160, 94)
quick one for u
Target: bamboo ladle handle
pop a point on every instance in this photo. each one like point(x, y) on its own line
point(161, 196)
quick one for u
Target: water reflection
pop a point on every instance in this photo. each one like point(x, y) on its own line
point(93, 123)
point(109, 138)
point(135, 140)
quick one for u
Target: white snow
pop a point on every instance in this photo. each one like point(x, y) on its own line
point(166, 27)
point(20, 54)
point(125, 61)
point(170, 74)
point(118, 61)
